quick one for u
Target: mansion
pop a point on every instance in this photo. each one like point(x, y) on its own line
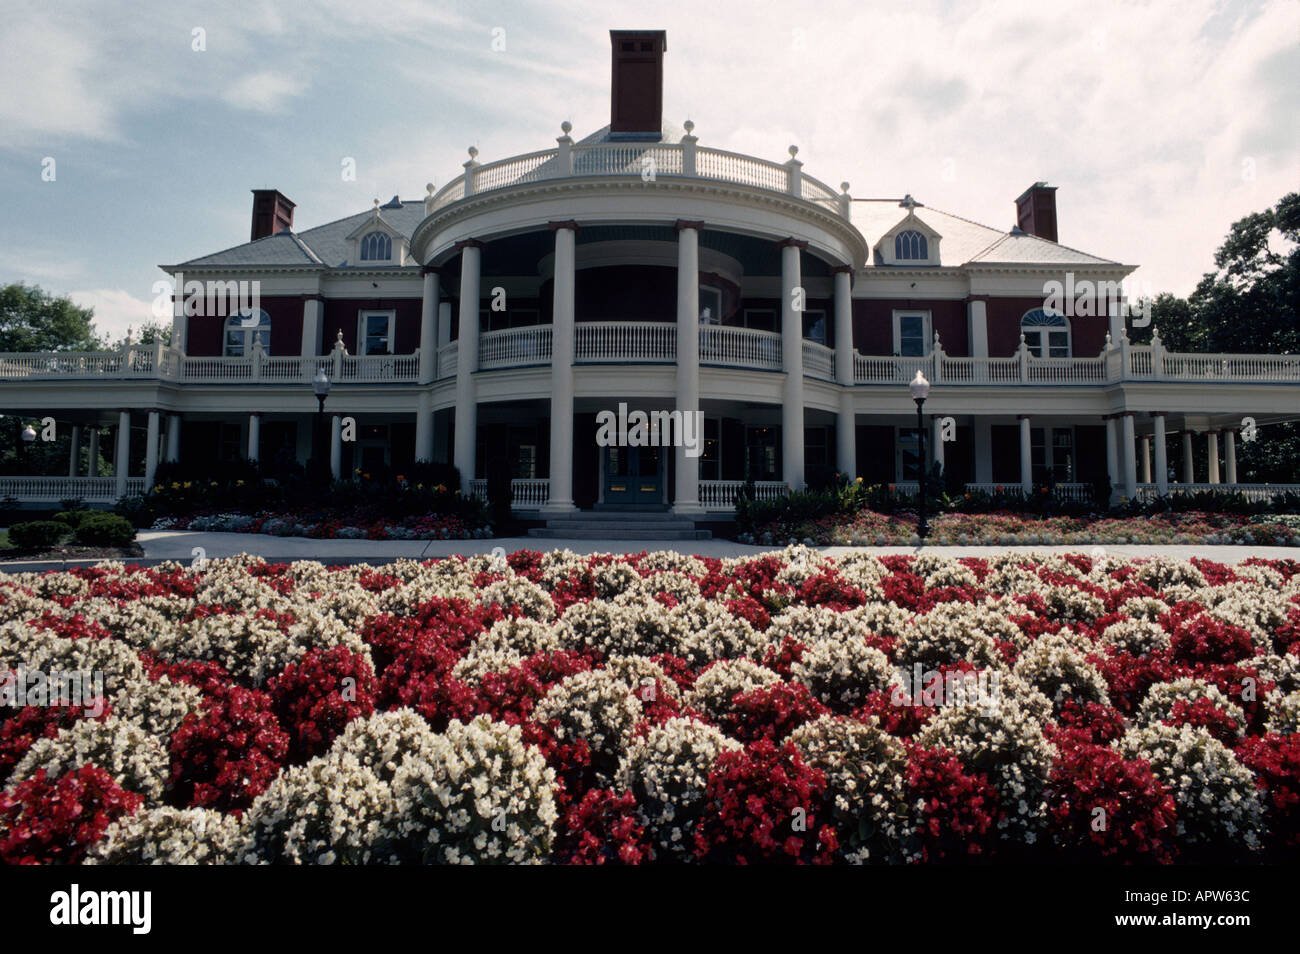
point(499, 317)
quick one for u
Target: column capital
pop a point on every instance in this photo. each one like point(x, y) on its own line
point(315, 296)
point(564, 224)
point(839, 269)
point(1158, 413)
point(800, 244)
point(430, 270)
point(468, 243)
point(1023, 417)
point(696, 224)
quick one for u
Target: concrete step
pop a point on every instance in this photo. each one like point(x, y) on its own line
point(603, 531)
point(614, 526)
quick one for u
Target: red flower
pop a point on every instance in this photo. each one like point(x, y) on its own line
point(316, 697)
point(54, 821)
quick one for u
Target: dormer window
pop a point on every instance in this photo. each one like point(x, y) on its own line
point(376, 247)
point(911, 245)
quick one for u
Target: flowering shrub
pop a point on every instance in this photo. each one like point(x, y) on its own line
point(659, 707)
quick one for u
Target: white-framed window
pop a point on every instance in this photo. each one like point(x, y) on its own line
point(1051, 453)
point(814, 325)
point(375, 332)
point(911, 245)
point(242, 330)
point(760, 319)
point(710, 305)
point(912, 334)
point(376, 247)
point(1046, 334)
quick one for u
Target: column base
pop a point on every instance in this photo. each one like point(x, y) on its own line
point(558, 508)
point(687, 508)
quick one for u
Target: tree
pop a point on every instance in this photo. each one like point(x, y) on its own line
point(32, 319)
point(1250, 303)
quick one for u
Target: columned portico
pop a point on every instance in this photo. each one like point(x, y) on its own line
point(122, 455)
point(562, 339)
point(429, 324)
point(792, 294)
point(687, 495)
point(1146, 459)
point(424, 426)
point(1128, 449)
point(1189, 466)
point(1112, 455)
point(1212, 452)
point(1162, 461)
point(254, 436)
point(467, 362)
point(173, 438)
point(1026, 456)
point(1230, 455)
point(151, 450)
point(846, 444)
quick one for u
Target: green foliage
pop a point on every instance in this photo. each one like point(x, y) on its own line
point(34, 320)
point(36, 535)
point(104, 530)
point(71, 518)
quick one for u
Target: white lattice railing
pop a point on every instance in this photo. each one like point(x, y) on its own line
point(818, 361)
point(1258, 492)
point(447, 360)
point(631, 341)
point(740, 347)
point(51, 490)
point(396, 367)
point(515, 347)
point(883, 369)
point(722, 494)
point(526, 492)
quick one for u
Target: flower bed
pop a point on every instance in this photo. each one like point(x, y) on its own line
point(868, 528)
point(553, 708)
point(341, 525)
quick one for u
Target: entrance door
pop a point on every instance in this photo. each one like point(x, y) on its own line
point(634, 477)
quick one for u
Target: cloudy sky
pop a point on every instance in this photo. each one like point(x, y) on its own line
point(1161, 123)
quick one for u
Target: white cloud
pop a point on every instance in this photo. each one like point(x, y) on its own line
point(116, 310)
point(265, 92)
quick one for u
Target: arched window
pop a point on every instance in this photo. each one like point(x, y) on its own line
point(1046, 334)
point(245, 328)
point(911, 246)
point(376, 247)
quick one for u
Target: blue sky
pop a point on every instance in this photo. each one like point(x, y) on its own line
point(1160, 123)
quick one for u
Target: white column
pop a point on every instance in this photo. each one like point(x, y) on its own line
point(424, 426)
point(1230, 455)
point(92, 452)
point(936, 442)
point(1026, 457)
point(560, 499)
point(173, 438)
point(1112, 456)
point(429, 325)
point(254, 436)
point(312, 314)
point(1189, 465)
point(180, 328)
point(1162, 456)
point(846, 435)
point(74, 455)
point(792, 469)
point(1212, 451)
point(336, 447)
point(122, 457)
point(977, 324)
point(687, 491)
point(1146, 459)
point(1128, 448)
point(151, 451)
point(467, 363)
point(983, 450)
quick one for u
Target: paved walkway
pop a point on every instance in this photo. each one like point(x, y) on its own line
point(181, 547)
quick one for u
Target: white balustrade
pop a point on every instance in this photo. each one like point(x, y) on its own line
point(740, 347)
point(447, 360)
point(526, 492)
point(721, 494)
point(515, 347)
point(818, 361)
point(52, 490)
point(625, 341)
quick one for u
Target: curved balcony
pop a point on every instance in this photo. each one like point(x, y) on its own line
point(646, 161)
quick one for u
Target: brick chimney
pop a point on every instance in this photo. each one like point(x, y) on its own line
point(637, 84)
point(272, 213)
point(1036, 211)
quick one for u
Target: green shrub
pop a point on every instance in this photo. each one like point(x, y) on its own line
point(36, 534)
point(72, 518)
point(105, 530)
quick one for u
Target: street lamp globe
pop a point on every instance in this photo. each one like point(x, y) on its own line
point(29, 434)
point(321, 383)
point(919, 387)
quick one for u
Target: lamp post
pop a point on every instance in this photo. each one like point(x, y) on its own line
point(320, 385)
point(920, 390)
point(29, 435)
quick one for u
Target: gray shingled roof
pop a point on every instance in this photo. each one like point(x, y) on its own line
point(322, 245)
point(966, 241)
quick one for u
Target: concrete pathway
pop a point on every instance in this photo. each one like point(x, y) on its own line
point(181, 546)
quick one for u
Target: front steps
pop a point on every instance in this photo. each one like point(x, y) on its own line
point(615, 526)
